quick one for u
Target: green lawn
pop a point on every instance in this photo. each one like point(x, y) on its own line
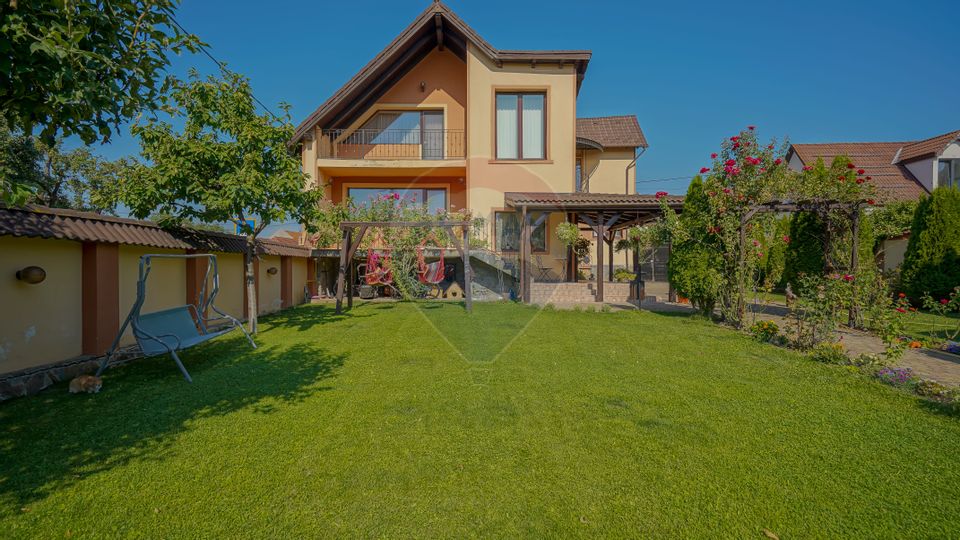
point(400, 420)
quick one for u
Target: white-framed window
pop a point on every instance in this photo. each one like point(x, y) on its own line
point(435, 199)
point(948, 172)
point(521, 125)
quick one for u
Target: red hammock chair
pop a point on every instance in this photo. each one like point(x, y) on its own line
point(433, 273)
point(378, 270)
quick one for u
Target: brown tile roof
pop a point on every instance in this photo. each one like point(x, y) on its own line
point(64, 224)
point(587, 200)
point(612, 131)
point(412, 44)
point(933, 146)
point(893, 180)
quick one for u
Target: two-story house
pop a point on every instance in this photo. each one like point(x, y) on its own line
point(442, 116)
point(900, 170)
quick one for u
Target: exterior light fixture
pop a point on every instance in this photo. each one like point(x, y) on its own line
point(423, 86)
point(272, 270)
point(32, 274)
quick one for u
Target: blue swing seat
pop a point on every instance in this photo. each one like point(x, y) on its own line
point(170, 330)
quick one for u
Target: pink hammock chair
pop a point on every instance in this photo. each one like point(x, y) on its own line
point(378, 269)
point(433, 273)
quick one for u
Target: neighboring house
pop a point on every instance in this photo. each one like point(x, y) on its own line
point(900, 170)
point(443, 116)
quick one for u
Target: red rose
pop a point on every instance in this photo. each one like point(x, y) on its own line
point(751, 128)
point(736, 145)
point(730, 162)
point(777, 161)
point(901, 295)
point(735, 138)
point(869, 178)
point(901, 310)
point(871, 202)
point(713, 155)
point(851, 166)
point(786, 239)
point(660, 195)
point(807, 168)
point(944, 301)
point(860, 171)
point(704, 169)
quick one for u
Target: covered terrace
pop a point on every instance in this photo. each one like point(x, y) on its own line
point(604, 213)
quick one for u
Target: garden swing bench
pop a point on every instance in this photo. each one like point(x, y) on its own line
point(175, 329)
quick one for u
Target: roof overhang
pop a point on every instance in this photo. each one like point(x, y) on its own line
point(617, 211)
point(436, 27)
point(584, 143)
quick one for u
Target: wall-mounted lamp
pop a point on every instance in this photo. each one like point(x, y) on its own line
point(32, 274)
point(272, 270)
point(423, 86)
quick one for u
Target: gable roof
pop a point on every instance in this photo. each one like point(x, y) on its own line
point(612, 131)
point(436, 26)
point(877, 159)
point(934, 146)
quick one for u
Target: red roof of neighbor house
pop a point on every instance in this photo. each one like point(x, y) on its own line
point(884, 162)
point(612, 131)
point(65, 224)
point(436, 26)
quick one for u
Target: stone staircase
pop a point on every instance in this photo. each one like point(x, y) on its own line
point(577, 293)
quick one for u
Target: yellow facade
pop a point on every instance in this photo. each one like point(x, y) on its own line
point(166, 286)
point(268, 295)
point(41, 323)
point(230, 298)
point(299, 280)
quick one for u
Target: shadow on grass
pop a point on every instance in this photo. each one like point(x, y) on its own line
point(50, 440)
point(306, 317)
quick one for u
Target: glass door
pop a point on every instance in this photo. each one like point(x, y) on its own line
point(432, 136)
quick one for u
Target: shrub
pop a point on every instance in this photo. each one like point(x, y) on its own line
point(804, 254)
point(765, 331)
point(622, 274)
point(693, 267)
point(896, 376)
point(830, 353)
point(933, 390)
point(932, 261)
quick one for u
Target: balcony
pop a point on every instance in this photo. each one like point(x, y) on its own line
point(392, 144)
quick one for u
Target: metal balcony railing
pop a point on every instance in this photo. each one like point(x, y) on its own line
point(426, 144)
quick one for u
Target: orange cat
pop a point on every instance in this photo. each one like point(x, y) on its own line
point(85, 383)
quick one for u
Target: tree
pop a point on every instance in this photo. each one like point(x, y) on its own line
point(19, 165)
point(693, 268)
point(931, 264)
point(83, 67)
point(804, 253)
point(228, 163)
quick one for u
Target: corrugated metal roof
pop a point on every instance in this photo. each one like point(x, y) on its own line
point(64, 224)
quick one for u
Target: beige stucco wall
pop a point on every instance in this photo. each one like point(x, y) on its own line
point(166, 284)
point(299, 280)
point(893, 251)
point(42, 323)
point(268, 295)
point(608, 170)
point(230, 298)
point(488, 179)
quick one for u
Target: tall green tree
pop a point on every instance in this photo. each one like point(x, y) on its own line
point(227, 163)
point(693, 267)
point(19, 165)
point(932, 261)
point(82, 67)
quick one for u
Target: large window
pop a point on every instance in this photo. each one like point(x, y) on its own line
point(521, 125)
point(508, 232)
point(397, 128)
point(435, 199)
point(948, 172)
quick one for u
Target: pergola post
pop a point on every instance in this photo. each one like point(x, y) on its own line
point(601, 232)
point(341, 274)
point(610, 257)
point(525, 248)
point(671, 292)
point(572, 262)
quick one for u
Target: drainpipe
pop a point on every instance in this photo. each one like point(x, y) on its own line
point(626, 172)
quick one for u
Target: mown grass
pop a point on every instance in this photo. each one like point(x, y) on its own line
point(404, 420)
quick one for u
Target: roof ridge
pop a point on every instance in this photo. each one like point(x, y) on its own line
point(955, 132)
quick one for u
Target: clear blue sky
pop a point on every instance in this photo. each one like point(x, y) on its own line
point(692, 72)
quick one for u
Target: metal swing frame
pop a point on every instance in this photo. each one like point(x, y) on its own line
point(175, 329)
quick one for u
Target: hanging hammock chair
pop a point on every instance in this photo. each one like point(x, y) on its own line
point(378, 268)
point(432, 273)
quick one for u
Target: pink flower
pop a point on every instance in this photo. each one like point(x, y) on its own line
point(704, 169)
point(713, 155)
point(712, 193)
point(735, 138)
point(756, 243)
point(860, 180)
point(726, 190)
point(777, 161)
point(807, 168)
point(944, 301)
point(760, 254)
point(847, 277)
point(660, 195)
point(786, 239)
point(901, 310)
point(736, 145)
point(396, 196)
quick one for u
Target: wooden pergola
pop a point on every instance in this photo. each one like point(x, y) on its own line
point(354, 231)
point(604, 213)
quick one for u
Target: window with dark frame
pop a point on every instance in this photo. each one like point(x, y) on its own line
point(948, 172)
point(521, 125)
point(507, 232)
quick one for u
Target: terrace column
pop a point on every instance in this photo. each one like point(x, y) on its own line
point(100, 296)
point(601, 231)
point(286, 282)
